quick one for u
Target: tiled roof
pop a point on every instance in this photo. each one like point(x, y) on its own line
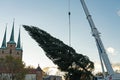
point(32, 71)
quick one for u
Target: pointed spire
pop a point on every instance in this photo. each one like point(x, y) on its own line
point(4, 39)
point(38, 68)
point(19, 41)
point(12, 34)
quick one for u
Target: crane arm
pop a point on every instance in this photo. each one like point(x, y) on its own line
point(98, 40)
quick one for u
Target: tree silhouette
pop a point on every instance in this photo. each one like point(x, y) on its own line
point(77, 66)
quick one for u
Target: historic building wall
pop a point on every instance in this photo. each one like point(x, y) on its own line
point(10, 47)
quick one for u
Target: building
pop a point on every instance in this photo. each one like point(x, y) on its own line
point(11, 48)
point(34, 74)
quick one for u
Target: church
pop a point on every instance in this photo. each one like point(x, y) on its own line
point(11, 48)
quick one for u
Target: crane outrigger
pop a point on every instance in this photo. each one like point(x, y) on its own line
point(102, 52)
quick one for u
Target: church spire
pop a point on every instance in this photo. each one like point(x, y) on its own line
point(4, 39)
point(19, 42)
point(12, 35)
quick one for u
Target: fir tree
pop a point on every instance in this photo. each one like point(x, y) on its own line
point(77, 66)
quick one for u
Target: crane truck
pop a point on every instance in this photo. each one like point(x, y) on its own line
point(105, 62)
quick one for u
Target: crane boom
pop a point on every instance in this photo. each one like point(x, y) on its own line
point(99, 43)
point(102, 52)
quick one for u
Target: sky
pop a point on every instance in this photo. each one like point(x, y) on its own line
point(52, 16)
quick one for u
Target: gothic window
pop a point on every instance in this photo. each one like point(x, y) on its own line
point(10, 51)
point(10, 45)
point(17, 53)
point(2, 52)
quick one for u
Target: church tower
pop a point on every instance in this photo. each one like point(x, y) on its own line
point(39, 73)
point(10, 48)
point(4, 40)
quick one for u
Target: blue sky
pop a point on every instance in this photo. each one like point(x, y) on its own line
point(52, 16)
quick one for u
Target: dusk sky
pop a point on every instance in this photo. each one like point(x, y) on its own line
point(52, 16)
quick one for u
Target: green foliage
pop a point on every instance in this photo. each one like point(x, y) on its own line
point(13, 66)
point(76, 65)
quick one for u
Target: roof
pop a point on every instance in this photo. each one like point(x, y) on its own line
point(12, 36)
point(38, 68)
point(31, 71)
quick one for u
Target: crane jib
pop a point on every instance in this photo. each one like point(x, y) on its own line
point(100, 46)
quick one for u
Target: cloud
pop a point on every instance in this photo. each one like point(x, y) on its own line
point(111, 50)
point(116, 67)
point(118, 13)
point(51, 71)
point(97, 67)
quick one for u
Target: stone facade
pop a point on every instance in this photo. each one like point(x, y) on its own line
point(10, 50)
point(34, 74)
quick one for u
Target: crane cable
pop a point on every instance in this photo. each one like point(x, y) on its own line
point(69, 17)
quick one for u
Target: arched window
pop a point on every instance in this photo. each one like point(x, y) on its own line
point(17, 53)
point(10, 51)
point(2, 52)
